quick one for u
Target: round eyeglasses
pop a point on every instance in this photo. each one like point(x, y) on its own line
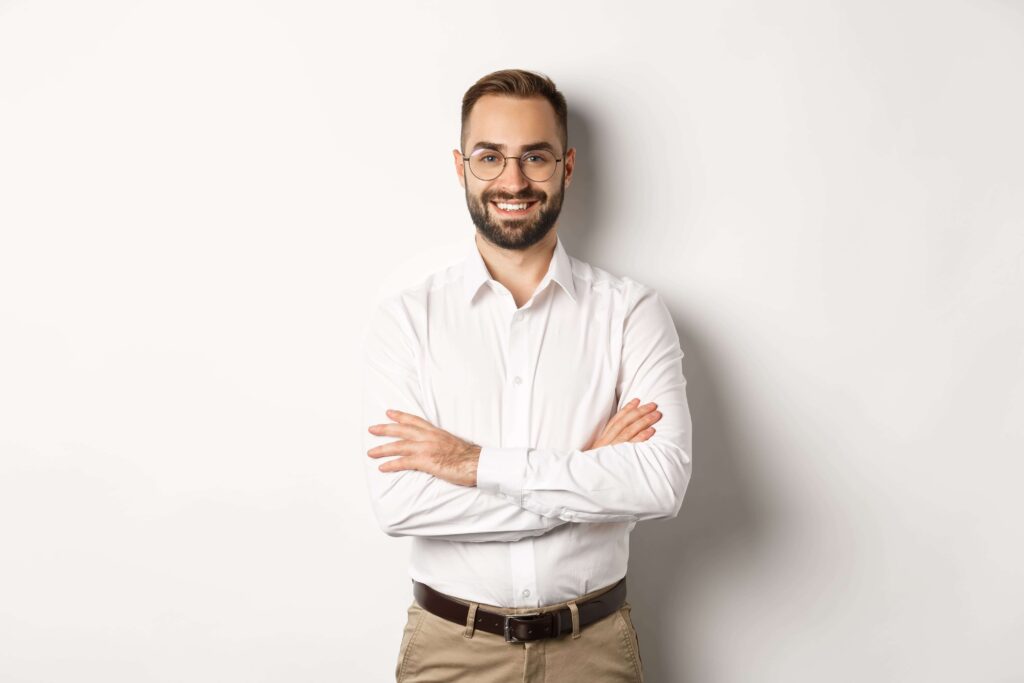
point(537, 165)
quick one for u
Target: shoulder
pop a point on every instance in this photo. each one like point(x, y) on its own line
point(403, 293)
point(642, 310)
point(401, 310)
point(627, 290)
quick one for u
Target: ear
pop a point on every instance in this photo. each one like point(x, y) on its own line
point(570, 164)
point(460, 167)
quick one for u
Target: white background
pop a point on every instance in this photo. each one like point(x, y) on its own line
point(198, 201)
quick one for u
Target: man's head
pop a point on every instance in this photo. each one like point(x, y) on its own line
point(511, 113)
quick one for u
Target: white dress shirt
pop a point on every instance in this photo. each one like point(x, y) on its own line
point(547, 521)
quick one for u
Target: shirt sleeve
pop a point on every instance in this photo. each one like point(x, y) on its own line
point(410, 502)
point(623, 482)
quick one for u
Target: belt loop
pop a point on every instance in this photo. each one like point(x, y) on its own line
point(575, 619)
point(470, 621)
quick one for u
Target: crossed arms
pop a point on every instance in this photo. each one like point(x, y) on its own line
point(522, 492)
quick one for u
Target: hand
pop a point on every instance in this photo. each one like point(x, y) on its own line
point(632, 423)
point(426, 448)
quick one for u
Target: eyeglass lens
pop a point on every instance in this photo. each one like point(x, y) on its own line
point(537, 165)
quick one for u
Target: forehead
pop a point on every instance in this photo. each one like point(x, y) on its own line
point(512, 121)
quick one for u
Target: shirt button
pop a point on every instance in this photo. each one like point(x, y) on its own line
point(526, 593)
point(517, 317)
point(518, 380)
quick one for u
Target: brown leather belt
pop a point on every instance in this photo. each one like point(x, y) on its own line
point(518, 628)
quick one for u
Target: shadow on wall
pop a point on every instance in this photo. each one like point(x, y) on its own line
point(584, 201)
point(719, 526)
point(719, 522)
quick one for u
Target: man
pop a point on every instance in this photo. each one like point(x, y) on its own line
point(506, 434)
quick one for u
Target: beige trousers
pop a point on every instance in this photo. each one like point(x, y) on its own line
point(435, 650)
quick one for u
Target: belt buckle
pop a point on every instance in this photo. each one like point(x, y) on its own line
point(510, 637)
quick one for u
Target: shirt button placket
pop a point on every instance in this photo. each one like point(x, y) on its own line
point(517, 414)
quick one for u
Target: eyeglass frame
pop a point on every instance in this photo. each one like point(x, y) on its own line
point(504, 163)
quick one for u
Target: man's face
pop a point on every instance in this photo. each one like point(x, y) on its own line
point(512, 126)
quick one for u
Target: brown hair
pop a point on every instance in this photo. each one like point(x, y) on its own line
point(521, 84)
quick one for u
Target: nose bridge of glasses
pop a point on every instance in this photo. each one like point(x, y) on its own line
point(519, 167)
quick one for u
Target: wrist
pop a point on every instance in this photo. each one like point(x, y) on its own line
point(473, 461)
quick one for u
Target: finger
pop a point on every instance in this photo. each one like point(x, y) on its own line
point(624, 410)
point(396, 429)
point(617, 428)
point(644, 435)
point(618, 420)
point(409, 462)
point(402, 447)
point(640, 424)
point(630, 414)
point(408, 418)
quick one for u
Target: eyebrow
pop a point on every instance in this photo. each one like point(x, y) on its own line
point(526, 148)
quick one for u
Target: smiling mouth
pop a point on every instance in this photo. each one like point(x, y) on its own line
point(514, 211)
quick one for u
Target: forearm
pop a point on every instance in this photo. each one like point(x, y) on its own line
point(623, 482)
point(412, 503)
point(620, 482)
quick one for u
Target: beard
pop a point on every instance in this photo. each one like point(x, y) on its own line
point(515, 233)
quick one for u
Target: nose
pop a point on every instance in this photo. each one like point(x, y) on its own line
point(512, 178)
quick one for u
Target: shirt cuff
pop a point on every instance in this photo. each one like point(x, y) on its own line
point(502, 470)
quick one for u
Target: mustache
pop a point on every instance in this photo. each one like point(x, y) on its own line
point(505, 198)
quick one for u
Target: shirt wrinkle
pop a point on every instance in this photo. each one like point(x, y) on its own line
point(548, 521)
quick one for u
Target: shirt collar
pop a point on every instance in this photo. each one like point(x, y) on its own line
point(475, 273)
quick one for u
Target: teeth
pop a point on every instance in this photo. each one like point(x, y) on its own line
point(511, 207)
